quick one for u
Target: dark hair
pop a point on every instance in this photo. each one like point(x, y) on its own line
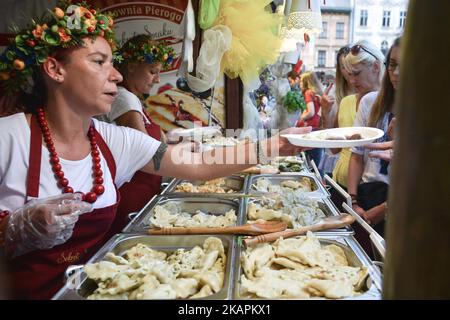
point(385, 99)
point(38, 95)
point(293, 75)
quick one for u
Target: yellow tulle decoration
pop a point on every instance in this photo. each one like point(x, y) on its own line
point(255, 41)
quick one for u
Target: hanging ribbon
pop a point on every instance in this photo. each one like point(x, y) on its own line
point(209, 10)
point(298, 66)
point(306, 38)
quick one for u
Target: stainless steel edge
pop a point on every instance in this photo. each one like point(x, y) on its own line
point(169, 186)
point(149, 204)
point(339, 189)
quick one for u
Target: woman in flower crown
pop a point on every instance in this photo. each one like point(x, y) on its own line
point(143, 59)
point(60, 168)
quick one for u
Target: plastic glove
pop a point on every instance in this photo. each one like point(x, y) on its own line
point(43, 223)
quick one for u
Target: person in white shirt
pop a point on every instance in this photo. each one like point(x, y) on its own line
point(368, 177)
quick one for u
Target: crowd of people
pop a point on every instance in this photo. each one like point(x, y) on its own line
point(361, 95)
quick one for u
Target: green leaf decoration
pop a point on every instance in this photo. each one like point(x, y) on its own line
point(51, 39)
point(19, 41)
point(294, 101)
point(105, 20)
point(10, 55)
point(23, 50)
point(41, 58)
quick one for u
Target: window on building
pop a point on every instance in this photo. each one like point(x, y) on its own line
point(364, 17)
point(384, 47)
point(321, 58)
point(339, 30)
point(402, 18)
point(324, 33)
point(386, 18)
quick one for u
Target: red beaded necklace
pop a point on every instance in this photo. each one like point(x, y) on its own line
point(98, 187)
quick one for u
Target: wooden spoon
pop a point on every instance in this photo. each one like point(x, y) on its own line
point(247, 229)
point(332, 222)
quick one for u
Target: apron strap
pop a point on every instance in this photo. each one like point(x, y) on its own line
point(34, 163)
point(106, 153)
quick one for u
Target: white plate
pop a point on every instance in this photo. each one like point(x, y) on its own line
point(316, 139)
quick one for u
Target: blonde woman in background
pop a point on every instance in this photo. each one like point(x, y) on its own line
point(364, 68)
point(330, 107)
point(342, 88)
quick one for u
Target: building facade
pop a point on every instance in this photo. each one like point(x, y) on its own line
point(348, 21)
point(336, 31)
point(379, 21)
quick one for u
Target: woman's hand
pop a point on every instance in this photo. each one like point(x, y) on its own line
point(326, 103)
point(384, 150)
point(359, 210)
point(43, 223)
point(391, 127)
point(376, 214)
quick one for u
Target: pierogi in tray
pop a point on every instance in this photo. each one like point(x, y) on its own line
point(299, 268)
point(143, 273)
point(289, 204)
point(171, 215)
point(211, 186)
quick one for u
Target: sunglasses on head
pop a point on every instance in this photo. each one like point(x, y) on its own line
point(343, 51)
point(356, 49)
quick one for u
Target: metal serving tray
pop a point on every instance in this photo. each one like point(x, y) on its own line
point(215, 205)
point(235, 182)
point(324, 204)
point(167, 185)
point(319, 190)
point(122, 242)
point(355, 256)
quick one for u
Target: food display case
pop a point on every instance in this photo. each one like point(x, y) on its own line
point(83, 286)
point(191, 205)
point(245, 189)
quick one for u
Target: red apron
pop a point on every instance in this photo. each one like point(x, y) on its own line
point(39, 274)
point(136, 193)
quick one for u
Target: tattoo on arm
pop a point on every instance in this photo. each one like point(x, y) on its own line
point(159, 155)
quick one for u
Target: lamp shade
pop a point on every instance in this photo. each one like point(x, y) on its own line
point(305, 17)
point(289, 40)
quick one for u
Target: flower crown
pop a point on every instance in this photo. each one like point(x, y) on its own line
point(149, 52)
point(63, 27)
